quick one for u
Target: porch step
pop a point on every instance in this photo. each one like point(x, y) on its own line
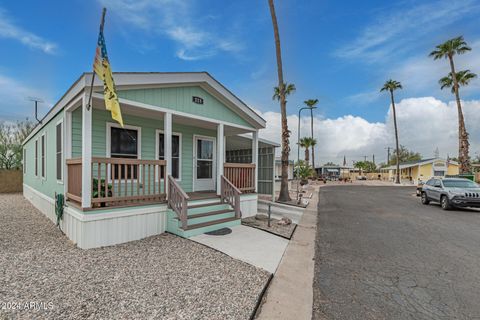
point(204, 205)
point(209, 223)
point(210, 213)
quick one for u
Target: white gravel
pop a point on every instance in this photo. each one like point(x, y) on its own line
point(162, 277)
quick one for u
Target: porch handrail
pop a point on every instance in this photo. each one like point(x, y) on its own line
point(241, 175)
point(231, 195)
point(178, 200)
point(118, 181)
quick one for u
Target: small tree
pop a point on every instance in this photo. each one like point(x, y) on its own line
point(11, 138)
point(405, 155)
point(307, 143)
point(366, 166)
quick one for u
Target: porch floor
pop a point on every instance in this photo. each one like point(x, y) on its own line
point(200, 195)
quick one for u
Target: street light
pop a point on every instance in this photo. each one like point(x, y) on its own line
point(298, 145)
point(298, 139)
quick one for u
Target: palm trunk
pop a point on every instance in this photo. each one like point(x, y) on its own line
point(397, 178)
point(307, 156)
point(463, 144)
point(313, 146)
point(284, 194)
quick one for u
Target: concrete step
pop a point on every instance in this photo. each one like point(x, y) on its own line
point(209, 223)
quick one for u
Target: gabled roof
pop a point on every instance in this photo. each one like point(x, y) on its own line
point(132, 80)
point(414, 163)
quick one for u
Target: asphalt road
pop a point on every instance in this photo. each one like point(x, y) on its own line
point(381, 254)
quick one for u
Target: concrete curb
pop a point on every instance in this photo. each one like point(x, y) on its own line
point(290, 294)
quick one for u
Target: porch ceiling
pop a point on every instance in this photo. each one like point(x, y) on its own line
point(244, 142)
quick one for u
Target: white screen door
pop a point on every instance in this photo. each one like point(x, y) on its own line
point(204, 164)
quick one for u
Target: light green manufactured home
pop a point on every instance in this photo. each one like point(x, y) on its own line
point(188, 159)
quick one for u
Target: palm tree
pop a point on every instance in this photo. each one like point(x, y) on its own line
point(390, 86)
point(447, 50)
point(283, 195)
point(311, 103)
point(289, 89)
point(463, 78)
point(306, 143)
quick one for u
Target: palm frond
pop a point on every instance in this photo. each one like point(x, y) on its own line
point(463, 78)
point(450, 48)
point(311, 102)
point(391, 85)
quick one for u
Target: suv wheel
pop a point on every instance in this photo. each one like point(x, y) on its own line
point(425, 198)
point(445, 203)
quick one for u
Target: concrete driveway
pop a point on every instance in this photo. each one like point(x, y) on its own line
point(381, 254)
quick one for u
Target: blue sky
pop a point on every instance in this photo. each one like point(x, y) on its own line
point(338, 52)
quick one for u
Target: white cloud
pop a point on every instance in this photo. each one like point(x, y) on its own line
point(176, 19)
point(14, 103)
point(424, 124)
point(9, 30)
point(400, 29)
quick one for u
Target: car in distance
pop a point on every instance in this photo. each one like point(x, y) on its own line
point(451, 192)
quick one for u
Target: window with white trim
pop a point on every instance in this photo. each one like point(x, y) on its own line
point(43, 151)
point(59, 150)
point(124, 144)
point(176, 153)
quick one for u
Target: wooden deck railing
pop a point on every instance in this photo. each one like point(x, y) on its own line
point(74, 174)
point(178, 200)
point(241, 175)
point(119, 181)
point(231, 195)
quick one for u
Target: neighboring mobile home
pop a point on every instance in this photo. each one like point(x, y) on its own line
point(278, 169)
point(174, 167)
point(422, 170)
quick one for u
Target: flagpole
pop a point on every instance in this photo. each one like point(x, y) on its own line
point(102, 23)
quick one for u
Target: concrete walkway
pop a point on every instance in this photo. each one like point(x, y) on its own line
point(254, 246)
point(290, 295)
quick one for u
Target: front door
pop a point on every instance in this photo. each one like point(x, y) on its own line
point(204, 164)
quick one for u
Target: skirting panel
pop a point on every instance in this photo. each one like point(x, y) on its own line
point(248, 205)
point(99, 229)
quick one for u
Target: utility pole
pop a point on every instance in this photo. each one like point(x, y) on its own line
point(388, 154)
point(373, 158)
point(365, 158)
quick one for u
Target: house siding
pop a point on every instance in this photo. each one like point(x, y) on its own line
point(148, 126)
point(48, 185)
point(77, 133)
point(180, 99)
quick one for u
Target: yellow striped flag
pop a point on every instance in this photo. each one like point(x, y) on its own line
point(101, 67)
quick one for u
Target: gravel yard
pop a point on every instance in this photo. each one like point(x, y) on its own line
point(164, 276)
point(261, 222)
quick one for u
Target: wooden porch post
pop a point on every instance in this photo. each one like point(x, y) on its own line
point(167, 132)
point(220, 156)
point(255, 158)
point(86, 152)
